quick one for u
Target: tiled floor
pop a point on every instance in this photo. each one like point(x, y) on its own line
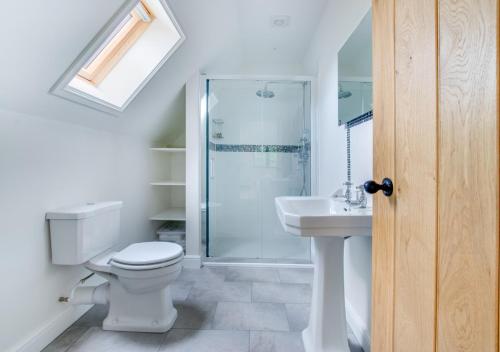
point(221, 309)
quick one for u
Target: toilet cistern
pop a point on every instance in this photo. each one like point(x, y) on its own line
point(138, 277)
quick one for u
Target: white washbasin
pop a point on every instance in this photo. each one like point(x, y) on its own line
point(328, 221)
point(322, 216)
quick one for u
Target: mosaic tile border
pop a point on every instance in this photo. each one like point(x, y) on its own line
point(367, 116)
point(255, 148)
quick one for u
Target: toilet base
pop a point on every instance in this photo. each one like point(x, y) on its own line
point(146, 312)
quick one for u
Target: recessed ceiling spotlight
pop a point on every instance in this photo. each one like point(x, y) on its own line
point(280, 21)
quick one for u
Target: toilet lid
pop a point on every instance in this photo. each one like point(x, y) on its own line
point(146, 253)
point(146, 267)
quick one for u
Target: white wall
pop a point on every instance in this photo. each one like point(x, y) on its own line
point(339, 20)
point(45, 164)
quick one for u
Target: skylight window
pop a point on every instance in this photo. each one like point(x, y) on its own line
point(116, 45)
point(118, 63)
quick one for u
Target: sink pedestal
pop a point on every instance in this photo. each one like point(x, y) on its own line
point(327, 323)
point(327, 221)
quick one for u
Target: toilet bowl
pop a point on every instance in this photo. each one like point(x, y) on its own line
point(137, 291)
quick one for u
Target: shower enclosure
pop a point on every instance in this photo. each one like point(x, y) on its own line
point(258, 148)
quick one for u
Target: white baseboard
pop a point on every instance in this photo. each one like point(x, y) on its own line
point(41, 338)
point(260, 265)
point(358, 326)
point(192, 262)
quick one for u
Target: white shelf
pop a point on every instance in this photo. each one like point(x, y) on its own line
point(169, 150)
point(169, 183)
point(175, 157)
point(174, 214)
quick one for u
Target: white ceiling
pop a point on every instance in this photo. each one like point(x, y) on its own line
point(40, 39)
point(277, 49)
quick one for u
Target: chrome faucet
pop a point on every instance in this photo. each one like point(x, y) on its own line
point(348, 193)
point(361, 199)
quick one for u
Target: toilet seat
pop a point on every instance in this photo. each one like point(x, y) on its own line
point(138, 257)
point(147, 266)
point(147, 253)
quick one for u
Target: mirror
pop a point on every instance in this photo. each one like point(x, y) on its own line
point(355, 74)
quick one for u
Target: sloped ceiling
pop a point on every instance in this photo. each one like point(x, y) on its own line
point(40, 39)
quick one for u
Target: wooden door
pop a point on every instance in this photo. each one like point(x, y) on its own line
point(436, 135)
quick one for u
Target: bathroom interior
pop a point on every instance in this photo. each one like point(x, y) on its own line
point(182, 175)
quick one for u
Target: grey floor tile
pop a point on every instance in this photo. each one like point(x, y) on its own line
point(180, 340)
point(180, 290)
point(263, 341)
point(220, 310)
point(203, 275)
point(252, 274)
point(98, 340)
point(281, 293)
point(298, 316)
point(296, 276)
point(195, 314)
point(250, 316)
point(94, 316)
point(64, 341)
point(222, 292)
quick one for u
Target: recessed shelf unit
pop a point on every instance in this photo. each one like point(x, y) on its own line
point(169, 181)
point(171, 214)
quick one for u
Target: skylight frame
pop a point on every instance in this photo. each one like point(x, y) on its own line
point(62, 89)
point(114, 48)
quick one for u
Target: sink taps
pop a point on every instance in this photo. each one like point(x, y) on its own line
point(359, 202)
point(348, 194)
point(361, 199)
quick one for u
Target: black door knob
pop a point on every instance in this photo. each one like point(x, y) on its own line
point(373, 187)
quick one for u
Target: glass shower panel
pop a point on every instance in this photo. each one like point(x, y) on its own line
point(286, 130)
point(258, 149)
point(233, 126)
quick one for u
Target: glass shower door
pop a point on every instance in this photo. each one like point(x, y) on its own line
point(285, 124)
point(257, 149)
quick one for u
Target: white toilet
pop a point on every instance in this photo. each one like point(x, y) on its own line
point(138, 276)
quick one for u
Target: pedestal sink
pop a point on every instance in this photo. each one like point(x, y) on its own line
point(328, 221)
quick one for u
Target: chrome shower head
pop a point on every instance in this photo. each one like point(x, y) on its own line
point(265, 93)
point(343, 93)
